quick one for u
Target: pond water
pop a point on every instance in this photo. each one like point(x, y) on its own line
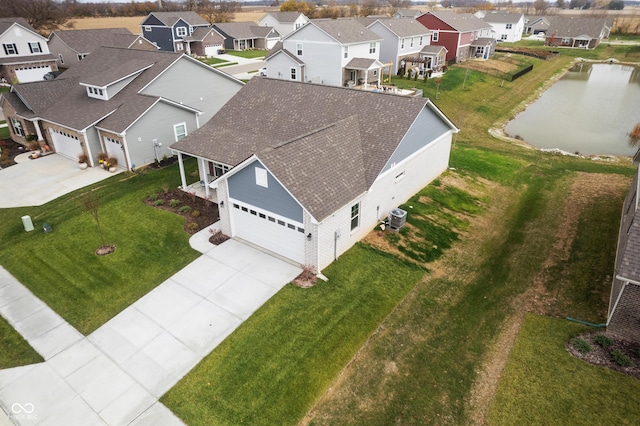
point(590, 110)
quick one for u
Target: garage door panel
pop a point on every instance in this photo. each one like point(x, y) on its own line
point(113, 148)
point(277, 234)
point(27, 75)
point(65, 144)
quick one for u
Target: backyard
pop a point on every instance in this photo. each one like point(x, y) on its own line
point(416, 327)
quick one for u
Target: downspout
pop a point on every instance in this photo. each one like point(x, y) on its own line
point(336, 235)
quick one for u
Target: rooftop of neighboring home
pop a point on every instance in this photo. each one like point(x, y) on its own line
point(86, 41)
point(6, 23)
point(502, 17)
point(461, 22)
point(408, 13)
point(298, 131)
point(170, 18)
point(285, 17)
point(404, 27)
point(243, 30)
point(344, 31)
point(575, 26)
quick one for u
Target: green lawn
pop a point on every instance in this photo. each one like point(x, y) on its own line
point(15, 350)
point(249, 54)
point(61, 267)
point(213, 61)
point(543, 384)
point(4, 131)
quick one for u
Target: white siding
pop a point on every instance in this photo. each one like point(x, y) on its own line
point(279, 66)
point(21, 37)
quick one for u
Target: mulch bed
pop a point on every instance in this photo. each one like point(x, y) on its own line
point(200, 212)
point(10, 150)
point(603, 356)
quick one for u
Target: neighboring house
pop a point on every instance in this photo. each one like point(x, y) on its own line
point(283, 22)
point(247, 35)
point(334, 52)
point(407, 13)
point(580, 32)
point(317, 167)
point(167, 30)
point(536, 24)
point(402, 42)
point(24, 56)
point(71, 46)
point(624, 303)
point(131, 104)
point(506, 26)
point(463, 35)
point(205, 41)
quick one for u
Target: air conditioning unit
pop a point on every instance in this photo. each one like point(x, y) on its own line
point(397, 219)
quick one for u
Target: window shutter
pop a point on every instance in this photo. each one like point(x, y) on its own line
point(39, 48)
point(6, 52)
point(30, 48)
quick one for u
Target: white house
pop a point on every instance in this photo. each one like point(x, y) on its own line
point(334, 52)
point(317, 167)
point(402, 41)
point(25, 55)
point(283, 22)
point(506, 26)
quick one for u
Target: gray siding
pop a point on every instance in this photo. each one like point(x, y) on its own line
point(243, 187)
point(388, 45)
point(115, 88)
point(214, 89)
point(427, 128)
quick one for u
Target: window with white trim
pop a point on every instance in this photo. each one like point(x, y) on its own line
point(293, 73)
point(372, 47)
point(179, 47)
point(299, 49)
point(180, 130)
point(420, 40)
point(346, 52)
point(10, 49)
point(355, 216)
point(181, 31)
point(411, 42)
point(35, 47)
point(17, 127)
point(147, 28)
point(434, 36)
point(261, 177)
point(61, 58)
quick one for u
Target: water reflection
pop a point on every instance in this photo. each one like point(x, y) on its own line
point(590, 110)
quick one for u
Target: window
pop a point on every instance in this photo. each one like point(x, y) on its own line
point(566, 40)
point(355, 216)
point(181, 31)
point(372, 47)
point(434, 36)
point(147, 28)
point(375, 73)
point(261, 177)
point(179, 46)
point(34, 47)
point(10, 49)
point(402, 44)
point(299, 49)
point(503, 37)
point(293, 73)
point(17, 127)
point(411, 42)
point(61, 58)
point(81, 57)
point(420, 40)
point(509, 26)
point(180, 130)
point(346, 52)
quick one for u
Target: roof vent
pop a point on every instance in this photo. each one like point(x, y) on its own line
point(397, 219)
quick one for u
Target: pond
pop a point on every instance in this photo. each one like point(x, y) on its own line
point(590, 111)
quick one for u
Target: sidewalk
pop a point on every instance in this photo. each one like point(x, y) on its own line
point(116, 375)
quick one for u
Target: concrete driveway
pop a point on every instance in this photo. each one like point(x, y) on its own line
point(115, 375)
point(36, 182)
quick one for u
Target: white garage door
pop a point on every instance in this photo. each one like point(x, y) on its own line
point(212, 50)
point(277, 234)
point(114, 149)
point(66, 144)
point(27, 75)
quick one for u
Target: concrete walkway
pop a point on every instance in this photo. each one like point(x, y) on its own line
point(115, 375)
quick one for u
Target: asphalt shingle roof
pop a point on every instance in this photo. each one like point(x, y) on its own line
point(405, 27)
point(86, 41)
point(170, 18)
point(243, 30)
point(285, 17)
point(570, 26)
point(346, 31)
point(502, 17)
point(6, 23)
point(461, 22)
point(326, 144)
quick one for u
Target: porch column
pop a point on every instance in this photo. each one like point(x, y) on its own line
point(183, 180)
point(366, 80)
point(204, 175)
point(36, 124)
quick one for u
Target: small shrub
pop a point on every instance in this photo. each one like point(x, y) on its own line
point(174, 203)
point(102, 157)
point(602, 340)
point(581, 345)
point(159, 202)
point(152, 197)
point(165, 188)
point(195, 213)
point(185, 209)
point(192, 226)
point(621, 358)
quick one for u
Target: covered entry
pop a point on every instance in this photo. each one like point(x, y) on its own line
point(66, 144)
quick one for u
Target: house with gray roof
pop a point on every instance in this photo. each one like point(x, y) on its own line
point(462, 34)
point(167, 30)
point(317, 167)
point(536, 24)
point(407, 13)
point(247, 35)
point(506, 26)
point(624, 303)
point(283, 22)
point(71, 46)
point(335, 52)
point(403, 41)
point(204, 41)
point(130, 104)
point(577, 31)
point(25, 55)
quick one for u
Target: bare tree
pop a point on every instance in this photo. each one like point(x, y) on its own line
point(540, 6)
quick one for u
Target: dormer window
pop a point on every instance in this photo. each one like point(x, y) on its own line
point(181, 31)
point(97, 92)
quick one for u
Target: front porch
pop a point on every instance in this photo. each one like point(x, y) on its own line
point(208, 171)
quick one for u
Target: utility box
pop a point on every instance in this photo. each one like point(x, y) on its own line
point(397, 219)
point(27, 223)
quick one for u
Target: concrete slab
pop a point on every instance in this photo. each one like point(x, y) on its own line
point(157, 414)
point(241, 295)
point(74, 358)
point(204, 275)
point(167, 303)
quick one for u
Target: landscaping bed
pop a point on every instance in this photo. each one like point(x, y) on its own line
point(607, 350)
point(198, 212)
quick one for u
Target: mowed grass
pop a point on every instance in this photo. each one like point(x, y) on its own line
point(61, 267)
point(543, 384)
point(281, 360)
point(15, 350)
point(248, 54)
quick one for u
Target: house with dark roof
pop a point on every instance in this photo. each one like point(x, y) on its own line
point(335, 52)
point(247, 35)
point(536, 24)
point(25, 55)
point(403, 41)
point(407, 13)
point(462, 34)
point(130, 104)
point(624, 303)
point(506, 26)
point(71, 46)
point(283, 22)
point(317, 167)
point(205, 41)
point(167, 30)
point(577, 31)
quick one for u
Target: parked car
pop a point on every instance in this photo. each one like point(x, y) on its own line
point(52, 75)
